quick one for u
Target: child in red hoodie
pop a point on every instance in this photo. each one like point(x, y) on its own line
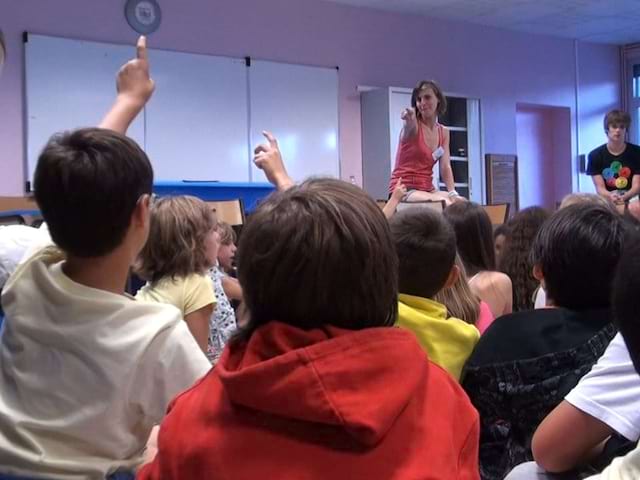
point(319, 384)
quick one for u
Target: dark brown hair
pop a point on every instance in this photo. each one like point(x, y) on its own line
point(176, 245)
point(423, 84)
point(426, 246)
point(616, 117)
point(577, 250)
point(626, 301)
point(515, 259)
point(87, 185)
point(474, 236)
point(318, 253)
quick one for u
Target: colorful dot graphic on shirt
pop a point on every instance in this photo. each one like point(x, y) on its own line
point(616, 166)
point(621, 182)
point(607, 173)
point(617, 176)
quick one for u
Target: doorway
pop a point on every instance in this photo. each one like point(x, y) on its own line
point(544, 154)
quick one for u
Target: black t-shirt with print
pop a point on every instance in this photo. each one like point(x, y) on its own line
point(616, 170)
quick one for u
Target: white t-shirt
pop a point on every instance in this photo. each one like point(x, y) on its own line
point(17, 242)
point(540, 300)
point(622, 468)
point(610, 391)
point(84, 374)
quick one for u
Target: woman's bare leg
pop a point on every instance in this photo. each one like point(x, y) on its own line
point(434, 196)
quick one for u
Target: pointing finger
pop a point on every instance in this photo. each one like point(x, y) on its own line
point(141, 48)
point(272, 140)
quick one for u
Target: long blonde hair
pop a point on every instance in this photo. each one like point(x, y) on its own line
point(460, 301)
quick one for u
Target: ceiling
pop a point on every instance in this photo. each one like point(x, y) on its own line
point(601, 21)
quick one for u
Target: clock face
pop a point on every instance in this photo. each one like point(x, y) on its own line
point(144, 16)
point(145, 13)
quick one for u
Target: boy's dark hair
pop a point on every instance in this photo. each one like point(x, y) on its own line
point(318, 253)
point(426, 246)
point(625, 298)
point(87, 185)
point(616, 117)
point(474, 236)
point(437, 91)
point(178, 230)
point(577, 250)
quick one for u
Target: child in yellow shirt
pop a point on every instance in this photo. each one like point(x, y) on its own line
point(426, 247)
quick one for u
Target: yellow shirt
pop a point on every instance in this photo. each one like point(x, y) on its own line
point(188, 294)
point(447, 341)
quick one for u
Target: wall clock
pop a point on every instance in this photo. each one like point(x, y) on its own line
point(144, 16)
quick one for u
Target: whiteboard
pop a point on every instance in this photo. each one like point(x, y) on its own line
point(70, 84)
point(299, 105)
point(197, 119)
point(206, 114)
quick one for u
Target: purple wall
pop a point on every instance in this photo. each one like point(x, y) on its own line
point(371, 48)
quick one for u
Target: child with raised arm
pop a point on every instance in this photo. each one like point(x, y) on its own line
point(318, 385)
point(86, 370)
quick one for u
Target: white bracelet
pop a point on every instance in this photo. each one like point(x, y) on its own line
point(453, 193)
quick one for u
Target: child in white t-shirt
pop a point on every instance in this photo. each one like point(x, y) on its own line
point(85, 369)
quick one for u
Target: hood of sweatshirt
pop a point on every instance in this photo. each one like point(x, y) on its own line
point(356, 380)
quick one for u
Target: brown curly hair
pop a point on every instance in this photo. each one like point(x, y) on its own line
point(176, 245)
point(515, 259)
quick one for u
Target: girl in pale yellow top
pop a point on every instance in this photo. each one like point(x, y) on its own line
point(182, 246)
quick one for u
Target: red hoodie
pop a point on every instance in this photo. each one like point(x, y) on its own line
point(321, 404)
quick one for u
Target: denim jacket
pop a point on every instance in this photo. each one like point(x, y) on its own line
point(515, 395)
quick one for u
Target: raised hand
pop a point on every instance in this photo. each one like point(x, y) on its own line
point(267, 157)
point(135, 87)
point(133, 80)
point(399, 191)
point(408, 115)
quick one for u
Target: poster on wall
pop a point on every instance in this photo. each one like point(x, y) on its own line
point(502, 179)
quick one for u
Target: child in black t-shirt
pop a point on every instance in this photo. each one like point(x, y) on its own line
point(615, 166)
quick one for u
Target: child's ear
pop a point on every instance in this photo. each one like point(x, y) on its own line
point(454, 276)
point(140, 215)
point(538, 274)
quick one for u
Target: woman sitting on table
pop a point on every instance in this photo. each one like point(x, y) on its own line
point(423, 143)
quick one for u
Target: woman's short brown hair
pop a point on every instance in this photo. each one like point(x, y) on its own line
point(176, 245)
point(318, 253)
point(227, 234)
point(423, 84)
point(616, 117)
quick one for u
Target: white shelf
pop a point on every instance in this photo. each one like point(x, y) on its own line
point(456, 184)
point(457, 129)
point(459, 159)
